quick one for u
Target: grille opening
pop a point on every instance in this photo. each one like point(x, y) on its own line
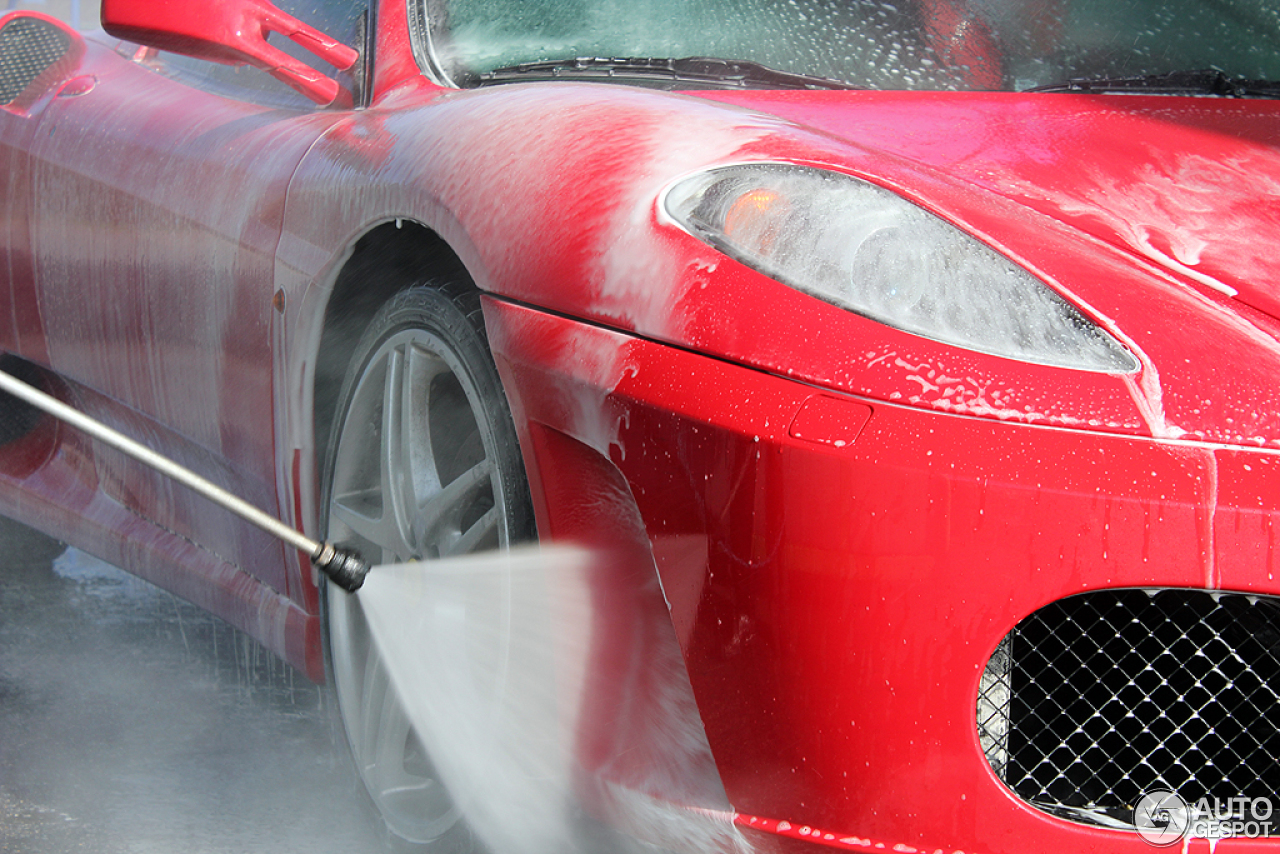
point(1096, 699)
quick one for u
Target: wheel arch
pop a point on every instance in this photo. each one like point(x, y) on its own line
point(385, 260)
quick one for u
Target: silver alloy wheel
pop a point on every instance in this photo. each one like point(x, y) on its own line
point(417, 472)
point(422, 485)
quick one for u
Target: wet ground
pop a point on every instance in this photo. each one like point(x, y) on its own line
point(131, 721)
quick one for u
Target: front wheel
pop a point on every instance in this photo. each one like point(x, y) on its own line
point(425, 464)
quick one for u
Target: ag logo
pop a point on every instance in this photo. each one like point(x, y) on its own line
point(1161, 817)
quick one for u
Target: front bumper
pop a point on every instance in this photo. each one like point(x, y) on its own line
point(838, 572)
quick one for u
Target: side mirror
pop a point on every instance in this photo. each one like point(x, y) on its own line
point(233, 32)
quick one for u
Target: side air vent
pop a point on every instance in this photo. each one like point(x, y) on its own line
point(28, 46)
point(1096, 699)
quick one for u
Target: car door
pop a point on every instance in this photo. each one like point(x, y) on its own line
point(157, 186)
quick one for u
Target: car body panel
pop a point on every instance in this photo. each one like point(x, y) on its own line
point(141, 338)
point(826, 525)
point(174, 251)
point(609, 179)
point(803, 572)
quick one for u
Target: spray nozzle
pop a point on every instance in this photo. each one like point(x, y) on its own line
point(344, 567)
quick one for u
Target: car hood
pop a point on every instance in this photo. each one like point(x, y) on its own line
point(1191, 184)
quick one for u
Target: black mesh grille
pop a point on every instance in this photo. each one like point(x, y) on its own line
point(27, 47)
point(1096, 699)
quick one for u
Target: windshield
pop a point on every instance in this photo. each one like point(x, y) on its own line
point(875, 44)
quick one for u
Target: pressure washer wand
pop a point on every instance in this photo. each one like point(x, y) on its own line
point(343, 566)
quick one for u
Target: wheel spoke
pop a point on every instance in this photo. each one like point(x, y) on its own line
point(411, 478)
point(388, 753)
point(392, 463)
point(422, 476)
point(373, 695)
point(380, 529)
point(476, 535)
point(443, 512)
point(385, 733)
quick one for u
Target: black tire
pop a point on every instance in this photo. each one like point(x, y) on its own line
point(27, 546)
point(422, 381)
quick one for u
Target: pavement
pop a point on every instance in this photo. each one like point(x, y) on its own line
point(131, 721)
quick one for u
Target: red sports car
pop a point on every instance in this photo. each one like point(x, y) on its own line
point(917, 362)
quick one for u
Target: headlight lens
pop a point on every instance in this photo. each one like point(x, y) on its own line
point(870, 251)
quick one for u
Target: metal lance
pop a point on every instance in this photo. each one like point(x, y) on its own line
point(344, 567)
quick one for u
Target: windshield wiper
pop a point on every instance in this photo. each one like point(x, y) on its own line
point(701, 70)
point(1207, 81)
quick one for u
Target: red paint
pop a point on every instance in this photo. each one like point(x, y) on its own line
point(837, 604)
point(824, 524)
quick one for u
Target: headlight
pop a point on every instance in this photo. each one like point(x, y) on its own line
point(867, 250)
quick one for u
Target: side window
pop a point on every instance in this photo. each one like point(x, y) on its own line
point(344, 20)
